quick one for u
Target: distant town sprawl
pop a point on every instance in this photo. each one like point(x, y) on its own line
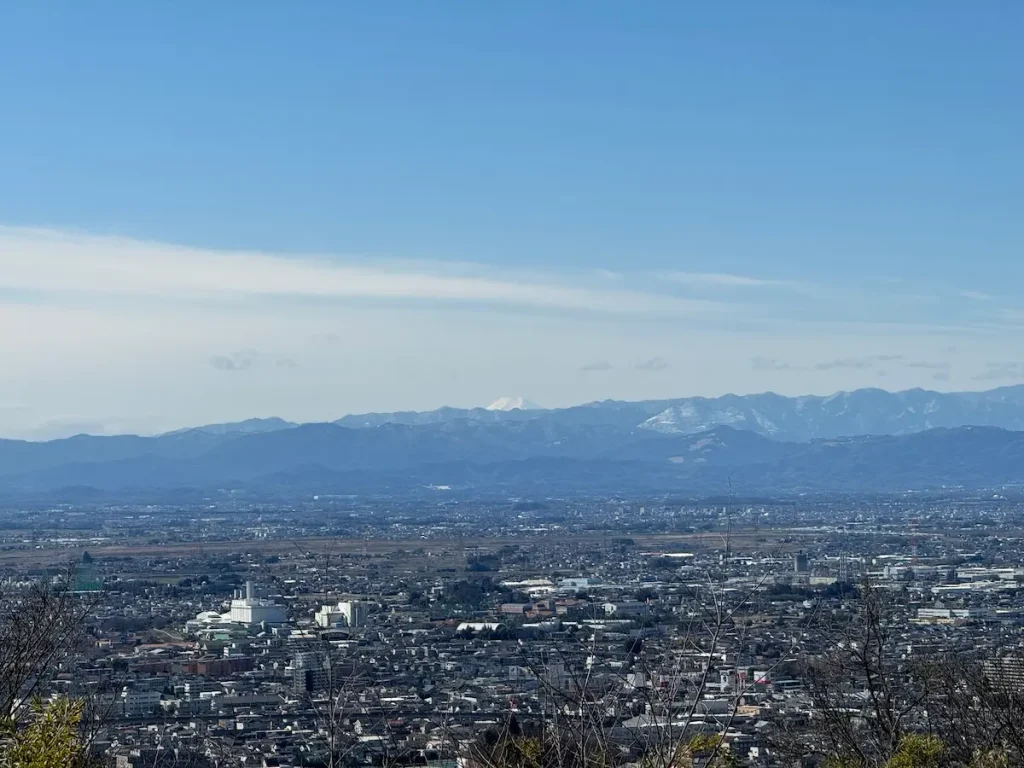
point(542, 633)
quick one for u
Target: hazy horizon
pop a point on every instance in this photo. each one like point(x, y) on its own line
point(534, 406)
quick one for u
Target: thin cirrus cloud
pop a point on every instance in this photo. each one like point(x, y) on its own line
point(1001, 371)
point(54, 262)
point(847, 363)
point(722, 279)
point(772, 364)
point(855, 363)
point(654, 364)
point(58, 267)
point(1013, 316)
point(239, 361)
point(597, 365)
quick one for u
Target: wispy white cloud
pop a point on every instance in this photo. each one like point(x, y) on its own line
point(654, 364)
point(995, 371)
point(238, 361)
point(772, 364)
point(976, 296)
point(43, 261)
point(727, 280)
point(56, 266)
point(863, 362)
point(1015, 316)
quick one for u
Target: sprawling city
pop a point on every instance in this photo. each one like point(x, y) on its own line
point(334, 632)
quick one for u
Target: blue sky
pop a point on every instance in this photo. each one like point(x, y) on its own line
point(383, 205)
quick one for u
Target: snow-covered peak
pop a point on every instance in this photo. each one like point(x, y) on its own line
point(512, 404)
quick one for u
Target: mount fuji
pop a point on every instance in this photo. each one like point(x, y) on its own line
point(512, 404)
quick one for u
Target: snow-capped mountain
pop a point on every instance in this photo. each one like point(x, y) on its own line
point(792, 419)
point(865, 439)
point(247, 427)
point(519, 403)
point(860, 412)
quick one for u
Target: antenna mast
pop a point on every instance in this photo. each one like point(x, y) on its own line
point(728, 525)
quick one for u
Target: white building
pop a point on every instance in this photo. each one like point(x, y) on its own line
point(246, 609)
point(136, 702)
point(953, 614)
point(351, 613)
point(206, 620)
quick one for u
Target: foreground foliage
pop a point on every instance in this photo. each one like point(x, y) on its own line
point(50, 739)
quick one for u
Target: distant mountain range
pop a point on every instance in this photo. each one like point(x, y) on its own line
point(866, 440)
point(795, 419)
